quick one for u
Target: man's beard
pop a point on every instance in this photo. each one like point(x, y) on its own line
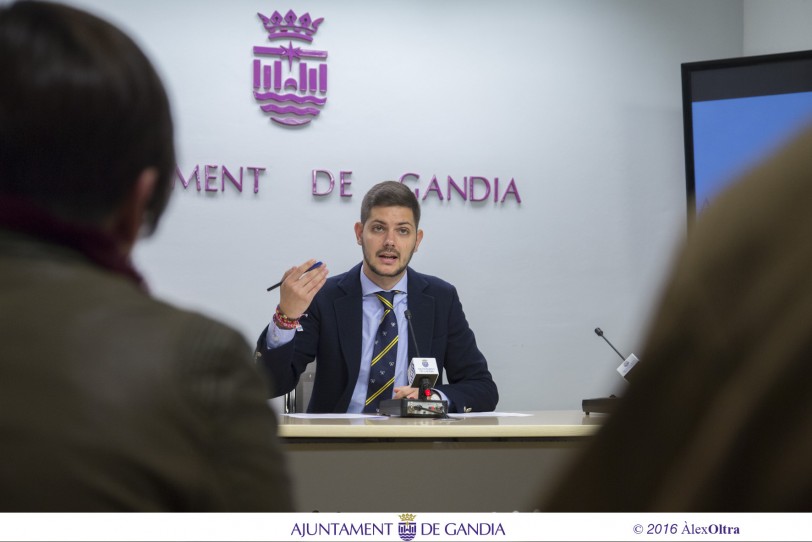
point(375, 270)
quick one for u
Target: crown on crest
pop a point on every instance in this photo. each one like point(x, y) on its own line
point(406, 517)
point(290, 26)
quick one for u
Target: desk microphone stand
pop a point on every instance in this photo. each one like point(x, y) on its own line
point(607, 405)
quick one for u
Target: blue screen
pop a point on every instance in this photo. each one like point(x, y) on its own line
point(732, 135)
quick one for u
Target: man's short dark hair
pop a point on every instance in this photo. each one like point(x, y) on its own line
point(390, 194)
point(82, 114)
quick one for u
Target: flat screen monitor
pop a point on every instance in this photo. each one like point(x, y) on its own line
point(736, 112)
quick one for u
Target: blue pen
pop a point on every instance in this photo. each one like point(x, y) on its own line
point(278, 284)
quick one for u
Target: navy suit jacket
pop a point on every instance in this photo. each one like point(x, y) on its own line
point(331, 334)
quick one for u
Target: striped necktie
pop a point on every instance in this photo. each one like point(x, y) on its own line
point(384, 355)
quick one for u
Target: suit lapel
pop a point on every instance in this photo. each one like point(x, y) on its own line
point(422, 307)
point(349, 317)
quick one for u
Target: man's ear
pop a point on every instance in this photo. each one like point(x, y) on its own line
point(359, 231)
point(127, 222)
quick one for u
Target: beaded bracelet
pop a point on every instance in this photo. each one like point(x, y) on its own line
point(283, 322)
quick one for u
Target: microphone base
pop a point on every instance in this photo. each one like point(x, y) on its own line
point(413, 408)
point(600, 405)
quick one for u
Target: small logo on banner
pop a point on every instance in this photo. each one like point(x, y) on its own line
point(407, 528)
point(290, 82)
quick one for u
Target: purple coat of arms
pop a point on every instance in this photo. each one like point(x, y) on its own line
point(290, 83)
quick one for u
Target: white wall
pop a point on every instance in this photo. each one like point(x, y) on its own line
point(577, 100)
point(777, 26)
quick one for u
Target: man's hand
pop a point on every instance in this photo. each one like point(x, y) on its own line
point(299, 288)
point(405, 392)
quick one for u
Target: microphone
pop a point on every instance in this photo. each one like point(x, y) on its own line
point(425, 367)
point(423, 374)
point(607, 404)
point(408, 314)
point(599, 333)
point(628, 362)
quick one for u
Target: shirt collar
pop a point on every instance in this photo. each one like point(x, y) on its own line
point(368, 287)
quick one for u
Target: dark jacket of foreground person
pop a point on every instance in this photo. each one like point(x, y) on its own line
point(110, 400)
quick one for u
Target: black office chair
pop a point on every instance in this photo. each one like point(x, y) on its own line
point(297, 399)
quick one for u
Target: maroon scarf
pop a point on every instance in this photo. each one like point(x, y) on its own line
point(99, 247)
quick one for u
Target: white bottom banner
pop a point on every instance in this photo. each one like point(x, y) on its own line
point(406, 526)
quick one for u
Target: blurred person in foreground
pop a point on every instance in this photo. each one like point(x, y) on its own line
point(719, 414)
point(109, 399)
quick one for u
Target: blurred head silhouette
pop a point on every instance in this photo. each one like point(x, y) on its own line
point(84, 119)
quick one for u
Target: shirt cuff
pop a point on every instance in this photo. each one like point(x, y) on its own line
point(278, 337)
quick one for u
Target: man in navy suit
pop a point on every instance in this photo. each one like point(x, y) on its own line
point(335, 321)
